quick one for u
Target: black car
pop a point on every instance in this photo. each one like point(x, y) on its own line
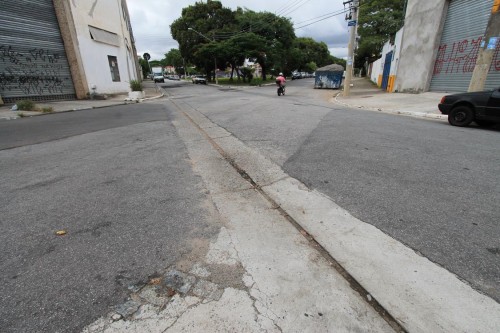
point(481, 107)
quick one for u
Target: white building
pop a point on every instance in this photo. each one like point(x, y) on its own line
point(65, 49)
point(439, 47)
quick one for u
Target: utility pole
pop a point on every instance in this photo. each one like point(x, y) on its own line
point(487, 50)
point(353, 16)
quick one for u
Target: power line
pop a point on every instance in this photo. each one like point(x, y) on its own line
point(322, 19)
point(328, 15)
point(293, 8)
point(286, 10)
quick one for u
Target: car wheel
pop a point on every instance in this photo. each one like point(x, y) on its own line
point(461, 116)
point(484, 123)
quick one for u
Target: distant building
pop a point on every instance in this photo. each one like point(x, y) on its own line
point(170, 69)
point(65, 49)
point(257, 69)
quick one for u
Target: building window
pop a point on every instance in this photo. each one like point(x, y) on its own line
point(113, 68)
point(104, 36)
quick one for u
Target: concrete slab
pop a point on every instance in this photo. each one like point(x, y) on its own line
point(366, 95)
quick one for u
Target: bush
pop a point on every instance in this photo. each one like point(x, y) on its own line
point(26, 105)
point(256, 82)
point(135, 85)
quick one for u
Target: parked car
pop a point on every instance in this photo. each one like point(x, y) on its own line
point(158, 77)
point(296, 75)
point(482, 107)
point(174, 77)
point(199, 79)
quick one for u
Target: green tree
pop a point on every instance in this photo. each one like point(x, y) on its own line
point(277, 35)
point(208, 31)
point(310, 67)
point(378, 20)
point(198, 45)
point(306, 51)
point(144, 67)
point(155, 63)
point(174, 58)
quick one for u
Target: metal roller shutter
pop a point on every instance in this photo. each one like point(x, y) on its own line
point(463, 32)
point(33, 61)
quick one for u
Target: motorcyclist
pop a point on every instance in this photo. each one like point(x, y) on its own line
point(280, 80)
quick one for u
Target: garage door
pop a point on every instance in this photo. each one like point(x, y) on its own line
point(463, 33)
point(33, 61)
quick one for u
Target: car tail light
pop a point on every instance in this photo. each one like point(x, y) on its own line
point(442, 99)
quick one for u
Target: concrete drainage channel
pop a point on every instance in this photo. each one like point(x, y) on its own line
point(355, 285)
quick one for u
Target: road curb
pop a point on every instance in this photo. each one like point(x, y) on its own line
point(402, 113)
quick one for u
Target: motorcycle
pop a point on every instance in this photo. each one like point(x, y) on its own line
point(281, 88)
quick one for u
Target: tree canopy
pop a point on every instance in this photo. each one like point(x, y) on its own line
point(174, 58)
point(378, 20)
point(207, 31)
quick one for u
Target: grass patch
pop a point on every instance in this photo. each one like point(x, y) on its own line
point(26, 105)
point(21, 114)
point(257, 82)
point(48, 109)
point(236, 82)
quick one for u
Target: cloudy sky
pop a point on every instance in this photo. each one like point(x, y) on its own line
point(322, 20)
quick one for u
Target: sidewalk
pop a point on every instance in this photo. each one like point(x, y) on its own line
point(150, 89)
point(366, 95)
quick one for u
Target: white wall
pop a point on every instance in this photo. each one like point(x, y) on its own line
point(377, 68)
point(106, 15)
point(423, 27)
point(398, 39)
point(378, 65)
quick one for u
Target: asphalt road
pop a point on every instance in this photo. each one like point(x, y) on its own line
point(119, 182)
point(429, 185)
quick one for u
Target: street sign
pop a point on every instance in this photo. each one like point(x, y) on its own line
point(351, 23)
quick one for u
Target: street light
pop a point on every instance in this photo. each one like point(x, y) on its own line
point(215, 59)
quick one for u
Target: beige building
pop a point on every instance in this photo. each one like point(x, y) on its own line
point(65, 49)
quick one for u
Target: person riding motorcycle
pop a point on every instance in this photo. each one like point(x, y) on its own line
point(280, 82)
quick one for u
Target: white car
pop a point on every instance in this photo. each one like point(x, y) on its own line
point(158, 77)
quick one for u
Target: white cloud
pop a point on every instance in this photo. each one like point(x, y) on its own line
point(151, 21)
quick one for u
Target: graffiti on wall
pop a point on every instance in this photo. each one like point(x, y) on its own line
point(34, 71)
point(461, 56)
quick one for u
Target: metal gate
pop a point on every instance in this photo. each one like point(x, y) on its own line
point(387, 70)
point(463, 33)
point(33, 63)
